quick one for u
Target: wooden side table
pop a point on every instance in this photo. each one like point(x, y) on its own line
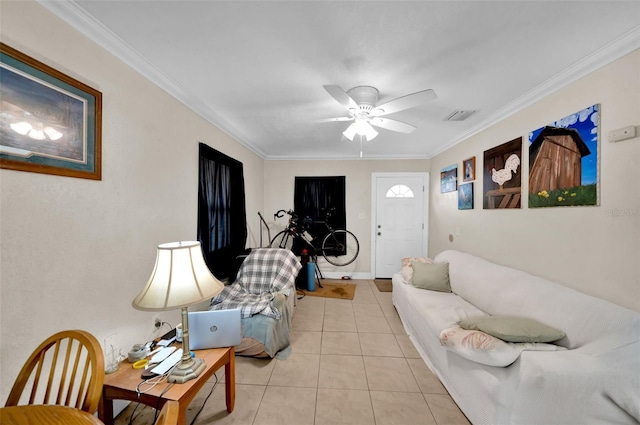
point(122, 385)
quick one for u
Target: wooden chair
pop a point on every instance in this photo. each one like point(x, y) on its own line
point(71, 365)
point(169, 413)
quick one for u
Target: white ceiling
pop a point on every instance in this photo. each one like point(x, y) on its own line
point(256, 68)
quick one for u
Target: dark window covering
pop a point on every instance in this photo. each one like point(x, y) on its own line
point(222, 221)
point(313, 196)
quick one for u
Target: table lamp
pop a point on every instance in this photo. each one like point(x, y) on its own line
point(179, 279)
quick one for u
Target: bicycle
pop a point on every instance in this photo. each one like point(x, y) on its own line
point(339, 247)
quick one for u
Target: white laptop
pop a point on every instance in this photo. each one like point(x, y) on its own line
point(214, 329)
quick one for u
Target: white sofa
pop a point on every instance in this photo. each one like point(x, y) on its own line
point(595, 381)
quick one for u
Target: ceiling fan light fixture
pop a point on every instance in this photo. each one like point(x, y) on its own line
point(350, 132)
point(361, 128)
point(367, 131)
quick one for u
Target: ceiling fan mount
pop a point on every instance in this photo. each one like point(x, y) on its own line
point(365, 96)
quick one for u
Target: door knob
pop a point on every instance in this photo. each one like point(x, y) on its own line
point(379, 226)
point(379, 233)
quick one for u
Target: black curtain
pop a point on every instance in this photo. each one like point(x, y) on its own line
point(314, 196)
point(222, 219)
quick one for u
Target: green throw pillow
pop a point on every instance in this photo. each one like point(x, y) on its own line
point(431, 276)
point(512, 328)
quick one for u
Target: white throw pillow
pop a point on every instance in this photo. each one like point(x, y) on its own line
point(483, 348)
point(407, 270)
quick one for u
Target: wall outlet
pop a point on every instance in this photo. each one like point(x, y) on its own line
point(157, 322)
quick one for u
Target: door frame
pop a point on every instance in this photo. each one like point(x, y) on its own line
point(374, 213)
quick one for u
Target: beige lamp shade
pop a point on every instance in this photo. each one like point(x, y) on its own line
point(180, 278)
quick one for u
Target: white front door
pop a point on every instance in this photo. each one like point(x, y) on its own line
point(400, 222)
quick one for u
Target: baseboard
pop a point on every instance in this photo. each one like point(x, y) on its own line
point(352, 275)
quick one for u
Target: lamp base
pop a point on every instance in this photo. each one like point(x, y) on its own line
point(187, 371)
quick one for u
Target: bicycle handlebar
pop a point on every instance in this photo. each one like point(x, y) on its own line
point(281, 213)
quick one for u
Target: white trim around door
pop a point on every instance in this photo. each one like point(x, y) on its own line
point(374, 213)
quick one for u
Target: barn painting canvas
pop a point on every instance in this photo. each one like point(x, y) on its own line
point(502, 176)
point(563, 161)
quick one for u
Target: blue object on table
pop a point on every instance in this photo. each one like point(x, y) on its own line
point(311, 276)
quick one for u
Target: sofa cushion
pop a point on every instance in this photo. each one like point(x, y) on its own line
point(434, 277)
point(512, 328)
point(407, 269)
point(483, 348)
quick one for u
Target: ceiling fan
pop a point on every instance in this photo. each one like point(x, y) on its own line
point(360, 102)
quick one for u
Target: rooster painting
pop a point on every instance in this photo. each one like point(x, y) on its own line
point(501, 169)
point(504, 175)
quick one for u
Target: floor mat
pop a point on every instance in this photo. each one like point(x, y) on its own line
point(333, 289)
point(383, 285)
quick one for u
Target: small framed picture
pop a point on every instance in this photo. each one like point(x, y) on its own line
point(469, 169)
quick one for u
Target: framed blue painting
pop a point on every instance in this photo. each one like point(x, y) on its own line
point(49, 122)
point(449, 179)
point(465, 196)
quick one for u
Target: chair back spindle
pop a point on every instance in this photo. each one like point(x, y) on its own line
point(66, 369)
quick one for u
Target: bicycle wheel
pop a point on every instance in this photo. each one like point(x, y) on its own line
point(340, 247)
point(283, 240)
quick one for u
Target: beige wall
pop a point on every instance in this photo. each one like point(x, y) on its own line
point(75, 252)
point(279, 178)
point(593, 249)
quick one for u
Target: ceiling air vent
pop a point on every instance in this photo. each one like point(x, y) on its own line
point(459, 115)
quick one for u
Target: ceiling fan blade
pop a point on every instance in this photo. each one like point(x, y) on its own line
point(392, 125)
point(404, 102)
point(336, 119)
point(341, 96)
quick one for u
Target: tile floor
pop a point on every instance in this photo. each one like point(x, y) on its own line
point(351, 363)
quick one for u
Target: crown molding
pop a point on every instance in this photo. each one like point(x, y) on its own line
point(354, 157)
point(623, 45)
point(74, 15)
point(70, 12)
